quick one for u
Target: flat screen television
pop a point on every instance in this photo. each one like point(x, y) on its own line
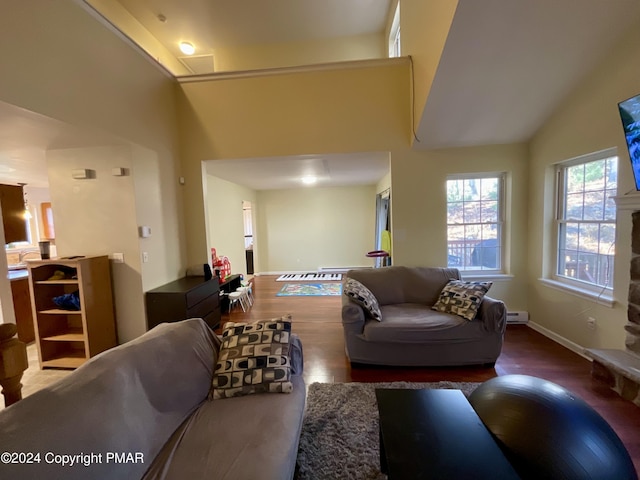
point(630, 115)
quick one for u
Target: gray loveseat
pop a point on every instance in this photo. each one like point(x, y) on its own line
point(140, 410)
point(411, 333)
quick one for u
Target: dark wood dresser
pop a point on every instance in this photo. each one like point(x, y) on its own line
point(187, 297)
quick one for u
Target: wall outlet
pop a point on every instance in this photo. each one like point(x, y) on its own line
point(591, 323)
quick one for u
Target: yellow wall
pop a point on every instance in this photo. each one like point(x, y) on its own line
point(353, 110)
point(384, 183)
point(131, 27)
point(424, 27)
point(587, 121)
point(225, 226)
point(73, 70)
point(329, 111)
point(419, 212)
point(83, 215)
point(253, 57)
point(158, 206)
point(307, 228)
point(60, 61)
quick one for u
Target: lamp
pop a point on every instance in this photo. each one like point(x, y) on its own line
point(187, 48)
point(309, 179)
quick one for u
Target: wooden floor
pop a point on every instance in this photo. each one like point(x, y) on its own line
point(317, 321)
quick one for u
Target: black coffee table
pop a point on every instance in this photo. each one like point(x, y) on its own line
point(436, 434)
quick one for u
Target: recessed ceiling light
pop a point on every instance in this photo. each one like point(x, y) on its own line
point(187, 48)
point(309, 180)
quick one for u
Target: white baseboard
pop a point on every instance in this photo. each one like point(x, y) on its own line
point(339, 269)
point(284, 272)
point(319, 270)
point(574, 347)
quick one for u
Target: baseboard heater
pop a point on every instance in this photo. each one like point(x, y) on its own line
point(338, 269)
point(517, 317)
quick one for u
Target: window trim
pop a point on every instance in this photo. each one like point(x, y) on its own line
point(600, 293)
point(502, 199)
point(394, 40)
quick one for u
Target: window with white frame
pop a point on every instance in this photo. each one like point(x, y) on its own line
point(586, 220)
point(475, 205)
point(394, 35)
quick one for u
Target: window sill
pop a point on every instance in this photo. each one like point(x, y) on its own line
point(600, 298)
point(485, 277)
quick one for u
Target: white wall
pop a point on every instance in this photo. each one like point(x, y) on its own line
point(303, 229)
point(587, 121)
point(225, 227)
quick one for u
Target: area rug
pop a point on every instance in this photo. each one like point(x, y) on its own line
point(309, 277)
point(309, 289)
point(340, 438)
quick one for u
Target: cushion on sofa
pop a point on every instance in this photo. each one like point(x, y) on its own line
point(412, 323)
point(363, 296)
point(462, 298)
point(249, 437)
point(254, 358)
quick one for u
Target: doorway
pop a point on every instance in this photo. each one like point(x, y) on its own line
point(247, 221)
point(383, 227)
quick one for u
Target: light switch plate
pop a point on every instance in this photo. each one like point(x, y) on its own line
point(117, 257)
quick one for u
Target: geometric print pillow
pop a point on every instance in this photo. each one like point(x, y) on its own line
point(363, 296)
point(254, 358)
point(462, 298)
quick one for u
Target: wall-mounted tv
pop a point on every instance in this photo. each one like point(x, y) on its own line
point(630, 115)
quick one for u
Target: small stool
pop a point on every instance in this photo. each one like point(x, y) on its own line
point(245, 296)
point(248, 290)
point(236, 297)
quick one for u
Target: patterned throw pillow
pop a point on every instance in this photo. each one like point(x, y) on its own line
point(363, 296)
point(462, 298)
point(254, 358)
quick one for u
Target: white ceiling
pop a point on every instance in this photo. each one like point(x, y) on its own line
point(26, 136)
point(286, 172)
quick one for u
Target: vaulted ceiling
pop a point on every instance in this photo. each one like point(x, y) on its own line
point(508, 64)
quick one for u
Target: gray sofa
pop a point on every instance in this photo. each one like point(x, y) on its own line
point(147, 399)
point(411, 333)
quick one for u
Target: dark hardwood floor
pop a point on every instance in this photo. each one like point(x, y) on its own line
point(317, 321)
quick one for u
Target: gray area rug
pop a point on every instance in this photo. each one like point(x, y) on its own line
point(340, 438)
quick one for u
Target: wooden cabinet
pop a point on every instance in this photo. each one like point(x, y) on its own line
point(22, 309)
point(65, 337)
point(187, 297)
point(12, 202)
